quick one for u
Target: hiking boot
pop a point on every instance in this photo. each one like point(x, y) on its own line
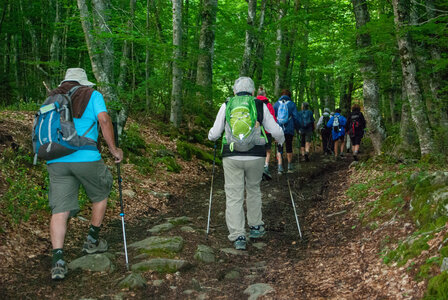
point(307, 157)
point(355, 157)
point(280, 169)
point(290, 168)
point(91, 247)
point(59, 270)
point(240, 243)
point(266, 174)
point(257, 232)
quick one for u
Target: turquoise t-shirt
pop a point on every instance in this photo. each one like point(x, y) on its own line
point(96, 105)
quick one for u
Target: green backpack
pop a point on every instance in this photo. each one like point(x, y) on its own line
point(242, 131)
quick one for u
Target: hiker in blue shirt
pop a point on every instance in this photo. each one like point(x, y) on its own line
point(337, 124)
point(291, 124)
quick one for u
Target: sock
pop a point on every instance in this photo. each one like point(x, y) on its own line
point(94, 233)
point(57, 255)
point(355, 153)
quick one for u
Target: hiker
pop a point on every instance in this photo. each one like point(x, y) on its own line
point(261, 95)
point(243, 169)
point(288, 118)
point(325, 132)
point(84, 167)
point(355, 129)
point(306, 130)
point(337, 124)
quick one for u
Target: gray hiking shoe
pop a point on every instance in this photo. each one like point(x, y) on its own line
point(280, 169)
point(91, 247)
point(240, 243)
point(257, 232)
point(290, 168)
point(59, 270)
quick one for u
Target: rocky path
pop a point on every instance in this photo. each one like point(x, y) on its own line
point(171, 258)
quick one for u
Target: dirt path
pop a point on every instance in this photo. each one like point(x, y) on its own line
point(334, 260)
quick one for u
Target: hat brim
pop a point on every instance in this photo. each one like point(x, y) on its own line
point(81, 82)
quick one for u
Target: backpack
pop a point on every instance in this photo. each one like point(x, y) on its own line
point(54, 134)
point(306, 118)
point(354, 125)
point(242, 130)
point(325, 120)
point(336, 127)
point(283, 113)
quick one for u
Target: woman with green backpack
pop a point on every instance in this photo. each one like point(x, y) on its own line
point(242, 119)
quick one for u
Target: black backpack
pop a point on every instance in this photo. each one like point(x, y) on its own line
point(354, 125)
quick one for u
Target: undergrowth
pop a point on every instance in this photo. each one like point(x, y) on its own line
point(410, 189)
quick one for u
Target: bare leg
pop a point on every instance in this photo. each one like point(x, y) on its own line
point(58, 228)
point(268, 157)
point(98, 211)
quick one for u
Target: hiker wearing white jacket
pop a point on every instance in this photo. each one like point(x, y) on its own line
point(244, 169)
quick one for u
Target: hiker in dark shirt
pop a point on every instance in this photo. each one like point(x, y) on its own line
point(355, 129)
point(84, 167)
point(306, 130)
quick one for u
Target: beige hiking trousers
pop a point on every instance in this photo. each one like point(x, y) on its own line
point(239, 174)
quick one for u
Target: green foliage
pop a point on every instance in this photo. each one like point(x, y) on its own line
point(408, 249)
point(132, 141)
point(24, 197)
point(357, 191)
point(22, 105)
point(186, 151)
point(437, 287)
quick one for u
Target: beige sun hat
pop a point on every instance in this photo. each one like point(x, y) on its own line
point(77, 74)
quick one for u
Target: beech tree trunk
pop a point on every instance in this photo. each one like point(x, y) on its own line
point(101, 53)
point(250, 38)
point(204, 77)
point(257, 65)
point(407, 129)
point(176, 92)
point(417, 105)
point(369, 74)
point(278, 51)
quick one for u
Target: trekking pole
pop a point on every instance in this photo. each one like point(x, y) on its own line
point(121, 200)
point(211, 192)
point(294, 207)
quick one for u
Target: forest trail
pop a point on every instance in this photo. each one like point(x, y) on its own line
point(334, 260)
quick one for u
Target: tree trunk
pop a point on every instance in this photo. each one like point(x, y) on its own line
point(407, 129)
point(413, 91)
point(55, 46)
point(278, 52)
point(204, 77)
point(249, 43)
point(126, 48)
point(257, 66)
point(369, 74)
point(101, 52)
point(176, 92)
point(345, 98)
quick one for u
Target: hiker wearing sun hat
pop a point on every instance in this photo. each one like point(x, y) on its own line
point(84, 167)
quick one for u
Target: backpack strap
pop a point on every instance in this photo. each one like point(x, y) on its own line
point(73, 90)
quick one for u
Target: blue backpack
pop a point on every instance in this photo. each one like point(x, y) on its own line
point(283, 113)
point(306, 118)
point(54, 134)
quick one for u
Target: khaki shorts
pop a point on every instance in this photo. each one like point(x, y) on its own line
point(65, 179)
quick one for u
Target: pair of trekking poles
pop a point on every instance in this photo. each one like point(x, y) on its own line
point(211, 196)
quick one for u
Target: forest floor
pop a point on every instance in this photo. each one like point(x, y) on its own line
point(336, 259)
